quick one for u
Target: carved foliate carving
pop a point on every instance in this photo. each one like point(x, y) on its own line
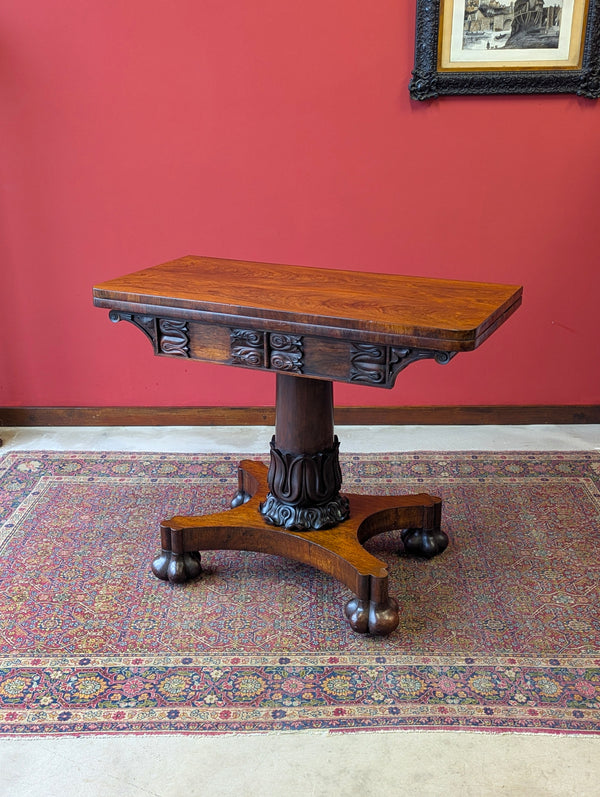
point(368, 364)
point(304, 490)
point(173, 337)
point(267, 350)
point(247, 337)
point(286, 352)
point(305, 479)
point(248, 348)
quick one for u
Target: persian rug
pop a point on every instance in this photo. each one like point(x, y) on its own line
point(499, 633)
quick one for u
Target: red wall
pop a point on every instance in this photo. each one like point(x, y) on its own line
point(136, 131)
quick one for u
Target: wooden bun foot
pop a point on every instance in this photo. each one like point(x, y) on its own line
point(369, 617)
point(177, 568)
point(424, 542)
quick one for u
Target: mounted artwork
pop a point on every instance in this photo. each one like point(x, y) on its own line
point(506, 47)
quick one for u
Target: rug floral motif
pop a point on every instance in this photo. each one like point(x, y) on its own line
point(501, 632)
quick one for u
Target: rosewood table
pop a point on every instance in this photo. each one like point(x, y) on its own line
point(311, 327)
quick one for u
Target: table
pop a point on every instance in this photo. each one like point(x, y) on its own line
point(310, 327)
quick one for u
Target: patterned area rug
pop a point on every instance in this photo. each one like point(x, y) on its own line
point(501, 632)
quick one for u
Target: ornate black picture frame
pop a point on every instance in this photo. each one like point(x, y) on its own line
point(506, 47)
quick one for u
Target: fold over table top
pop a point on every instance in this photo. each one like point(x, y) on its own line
point(448, 315)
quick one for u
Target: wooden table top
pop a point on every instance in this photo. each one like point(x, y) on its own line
point(454, 315)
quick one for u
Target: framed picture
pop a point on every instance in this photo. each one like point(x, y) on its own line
point(506, 47)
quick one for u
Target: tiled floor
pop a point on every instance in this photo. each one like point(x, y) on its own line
point(315, 763)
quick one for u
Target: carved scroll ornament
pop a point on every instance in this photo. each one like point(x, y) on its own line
point(286, 352)
point(248, 348)
point(266, 350)
point(380, 365)
point(146, 323)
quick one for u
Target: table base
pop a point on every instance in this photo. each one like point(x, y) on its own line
point(338, 552)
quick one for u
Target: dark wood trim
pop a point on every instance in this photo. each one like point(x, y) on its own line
point(265, 416)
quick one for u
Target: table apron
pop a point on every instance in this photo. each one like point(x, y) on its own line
point(356, 361)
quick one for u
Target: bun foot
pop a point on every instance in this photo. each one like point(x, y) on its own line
point(369, 617)
point(177, 568)
point(424, 542)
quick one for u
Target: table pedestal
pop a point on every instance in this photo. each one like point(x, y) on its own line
point(296, 510)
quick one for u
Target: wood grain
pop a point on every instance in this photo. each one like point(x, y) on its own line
point(455, 315)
